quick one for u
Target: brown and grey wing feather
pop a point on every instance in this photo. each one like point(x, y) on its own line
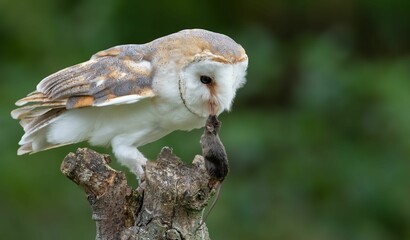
point(119, 75)
point(119, 72)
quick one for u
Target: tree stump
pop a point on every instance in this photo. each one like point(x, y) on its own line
point(170, 206)
point(171, 201)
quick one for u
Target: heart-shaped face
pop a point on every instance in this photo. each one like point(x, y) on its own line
point(208, 87)
point(209, 68)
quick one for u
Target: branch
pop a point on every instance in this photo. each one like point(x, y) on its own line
point(170, 206)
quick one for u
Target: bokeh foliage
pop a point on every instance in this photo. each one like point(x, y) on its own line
point(319, 138)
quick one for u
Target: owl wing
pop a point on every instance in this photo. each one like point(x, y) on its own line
point(119, 75)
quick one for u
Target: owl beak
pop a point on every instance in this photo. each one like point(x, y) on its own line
point(213, 106)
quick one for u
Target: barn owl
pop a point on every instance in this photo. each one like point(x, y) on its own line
point(131, 95)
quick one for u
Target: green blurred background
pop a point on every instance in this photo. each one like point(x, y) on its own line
point(319, 138)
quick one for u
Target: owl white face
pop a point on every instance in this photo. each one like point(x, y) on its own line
point(208, 87)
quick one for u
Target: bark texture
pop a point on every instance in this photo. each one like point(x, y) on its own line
point(169, 206)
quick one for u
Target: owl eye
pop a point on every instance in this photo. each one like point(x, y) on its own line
point(205, 79)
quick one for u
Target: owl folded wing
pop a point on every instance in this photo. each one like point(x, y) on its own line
point(110, 77)
point(119, 75)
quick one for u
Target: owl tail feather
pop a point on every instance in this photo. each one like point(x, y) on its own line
point(36, 113)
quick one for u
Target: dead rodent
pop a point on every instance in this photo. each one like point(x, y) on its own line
point(216, 160)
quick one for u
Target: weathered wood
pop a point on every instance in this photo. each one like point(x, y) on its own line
point(169, 207)
point(171, 200)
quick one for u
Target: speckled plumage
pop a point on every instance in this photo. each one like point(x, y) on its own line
point(130, 95)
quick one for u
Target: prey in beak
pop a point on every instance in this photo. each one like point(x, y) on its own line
point(216, 160)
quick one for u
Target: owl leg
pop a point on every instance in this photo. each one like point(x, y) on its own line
point(130, 157)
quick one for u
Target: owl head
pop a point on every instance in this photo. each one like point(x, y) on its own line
point(210, 67)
